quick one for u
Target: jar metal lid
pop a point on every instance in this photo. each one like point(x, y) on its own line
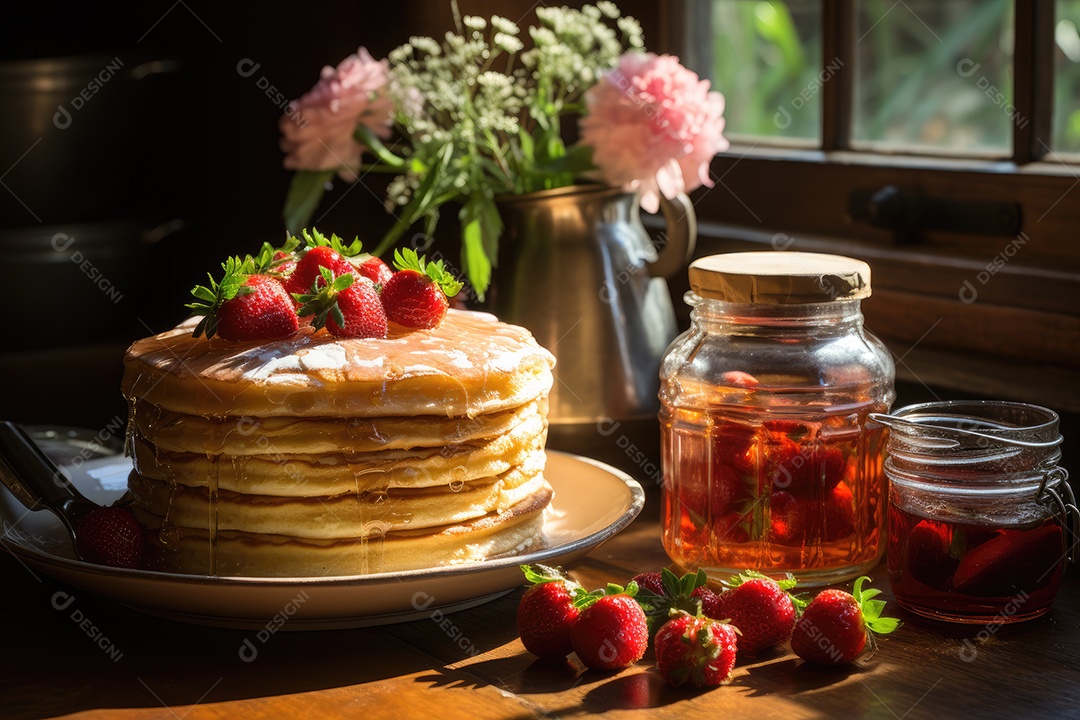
point(780, 277)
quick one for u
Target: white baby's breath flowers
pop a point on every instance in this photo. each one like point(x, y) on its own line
point(482, 111)
point(474, 22)
point(507, 43)
point(503, 25)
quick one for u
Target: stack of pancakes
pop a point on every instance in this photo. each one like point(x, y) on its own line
point(324, 456)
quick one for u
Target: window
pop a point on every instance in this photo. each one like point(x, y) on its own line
point(939, 141)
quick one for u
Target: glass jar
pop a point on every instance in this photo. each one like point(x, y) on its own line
point(979, 510)
point(769, 457)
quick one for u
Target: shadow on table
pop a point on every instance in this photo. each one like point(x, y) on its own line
point(93, 653)
point(639, 687)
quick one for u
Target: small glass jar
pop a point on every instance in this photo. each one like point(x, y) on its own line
point(979, 510)
point(770, 461)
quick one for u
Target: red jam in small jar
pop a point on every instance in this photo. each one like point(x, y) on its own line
point(979, 511)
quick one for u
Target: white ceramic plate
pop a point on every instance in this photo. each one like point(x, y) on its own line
point(593, 502)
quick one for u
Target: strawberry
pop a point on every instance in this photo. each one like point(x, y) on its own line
point(738, 378)
point(789, 465)
point(762, 609)
point(696, 650)
point(735, 446)
point(244, 306)
point(794, 430)
point(307, 268)
point(416, 295)
point(732, 528)
point(790, 519)
point(652, 582)
point(839, 514)
point(373, 268)
point(831, 466)
point(659, 593)
point(699, 498)
point(1010, 561)
point(925, 553)
point(321, 252)
point(285, 265)
point(267, 313)
point(710, 601)
point(612, 631)
point(110, 536)
point(547, 612)
point(347, 305)
point(834, 627)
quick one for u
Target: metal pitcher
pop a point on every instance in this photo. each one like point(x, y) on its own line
point(578, 269)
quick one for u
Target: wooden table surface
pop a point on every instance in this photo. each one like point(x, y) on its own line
point(51, 668)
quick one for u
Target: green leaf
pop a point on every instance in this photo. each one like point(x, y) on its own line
point(671, 583)
point(203, 293)
point(884, 626)
point(474, 255)
point(692, 581)
point(321, 301)
point(528, 147)
point(317, 239)
point(265, 261)
point(421, 203)
point(407, 259)
point(305, 191)
point(546, 574)
point(576, 160)
point(367, 138)
point(872, 609)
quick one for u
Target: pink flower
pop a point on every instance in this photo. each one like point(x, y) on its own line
point(654, 126)
point(318, 128)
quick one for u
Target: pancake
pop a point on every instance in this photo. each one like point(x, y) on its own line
point(349, 515)
point(238, 436)
point(517, 529)
point(319, 455)
point(336, 473)
point(471, 364)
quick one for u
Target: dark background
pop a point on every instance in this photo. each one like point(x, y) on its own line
point(173, 172)
point(159, 179)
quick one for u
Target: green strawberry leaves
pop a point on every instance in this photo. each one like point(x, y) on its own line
point(546, 574)
point(871, 609)
point(407, 259)
point(317, 239)
point(212, 297)
point(265, 261)
point(321, 302)
point(677, 587)
point(678, 597)
point(587, 599)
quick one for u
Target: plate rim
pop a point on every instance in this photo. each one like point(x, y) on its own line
point(591, 541)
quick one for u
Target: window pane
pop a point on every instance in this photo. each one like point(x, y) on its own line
point(766, 59)
point(935, 76)
point(1067, 77)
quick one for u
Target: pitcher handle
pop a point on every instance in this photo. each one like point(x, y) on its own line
point(681, 235)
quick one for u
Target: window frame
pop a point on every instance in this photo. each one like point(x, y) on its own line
point(1025, 323)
